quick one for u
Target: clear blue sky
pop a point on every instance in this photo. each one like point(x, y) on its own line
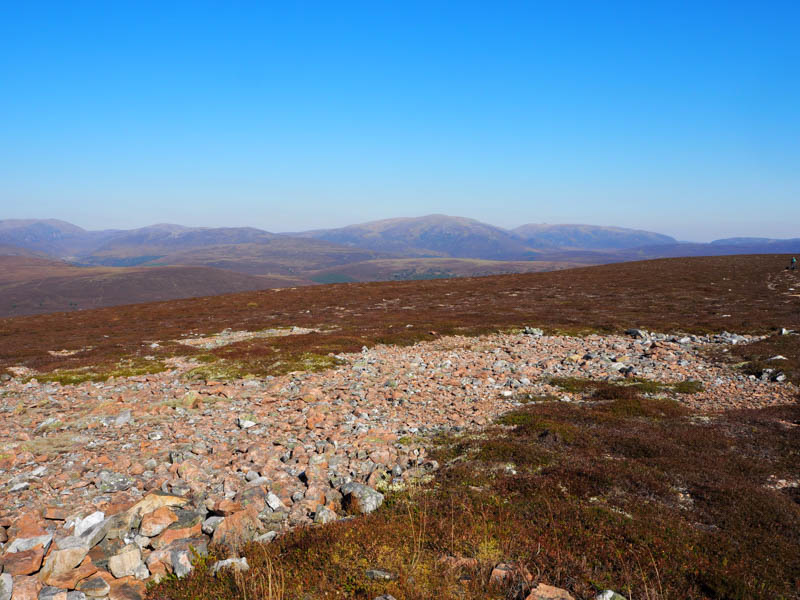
point(682, 118)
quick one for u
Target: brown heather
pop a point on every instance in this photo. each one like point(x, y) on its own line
point(745, 294)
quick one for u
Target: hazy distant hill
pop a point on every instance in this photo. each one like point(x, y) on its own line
point(51, 236)
point(763, 244)
point(33, 285)
point(588, 237)
point(149, 243)
point(431, 236)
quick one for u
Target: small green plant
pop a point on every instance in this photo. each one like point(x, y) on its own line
point(123, 368)
point(687, 387)
point(575, 385)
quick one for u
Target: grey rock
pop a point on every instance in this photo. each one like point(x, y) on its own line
point(237, 564)
point(141, 572)
point(266, 537)
point(379, 575)
point(609, 595)
point(71, 541)
point(109, 482)
point(6, 586)
point(23, 544)
point(385, 597)
point(245, 423)
point(181, 562)
point(274, 502)
point(92, 536)
point(46, 423)
point(259, 482)
point(88, 522)
point(94, 587)
point(76, 595)
point(324, 515)
point(360, 498)
point(49, 592)
point(211, 523)
point(126, 562)
point(123, 418)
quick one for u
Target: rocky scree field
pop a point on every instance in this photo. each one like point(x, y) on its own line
point(516, 464)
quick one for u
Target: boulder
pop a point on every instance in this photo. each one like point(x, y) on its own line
point(157, 521)
point(237, 529)
point(23, 544)
point(88, 522)
point(23, 563)
point(94, 587)
point(62, 560)
point(69, 579)
point(609, 595)
point(548, 592)
point(237, 564)
point(359, 498)
point(6, 586)
point(26, 588)
point(126, 562)
point(52, 593)
point(324, 515)
point(127, 589)
point(153, 501)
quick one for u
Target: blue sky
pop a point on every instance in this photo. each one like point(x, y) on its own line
point(680, 117)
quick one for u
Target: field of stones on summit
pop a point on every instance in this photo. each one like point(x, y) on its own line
point(141, 441)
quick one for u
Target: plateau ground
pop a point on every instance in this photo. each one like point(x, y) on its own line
point(509, 437)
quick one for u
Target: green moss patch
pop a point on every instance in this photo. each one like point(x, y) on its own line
point(123, 368)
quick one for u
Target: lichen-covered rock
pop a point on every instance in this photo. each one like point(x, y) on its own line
point(548, 592)
point(22, 563)
point(6, 586)
point(237, 564)
point(126, 562)
point(94, 587)
point(359, 498)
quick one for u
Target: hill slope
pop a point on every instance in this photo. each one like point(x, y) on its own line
point(400, 269)
point(31, 285)
point(281, 255)
point(737, 293)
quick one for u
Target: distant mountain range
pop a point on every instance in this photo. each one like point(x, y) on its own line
point(588, 237)
point(402, 248)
